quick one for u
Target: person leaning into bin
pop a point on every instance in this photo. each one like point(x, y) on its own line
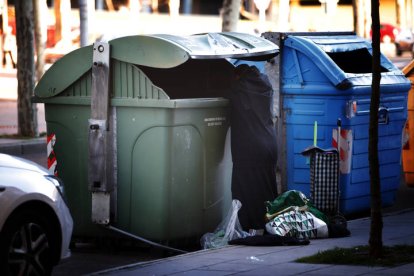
point(253, 145)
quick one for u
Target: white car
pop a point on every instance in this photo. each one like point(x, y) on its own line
point(35, 223)
point(404, 42)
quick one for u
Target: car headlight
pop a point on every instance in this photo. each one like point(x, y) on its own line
point(57, 182)
point(395, 31)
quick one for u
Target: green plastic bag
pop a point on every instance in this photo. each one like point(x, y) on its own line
point(290, 200)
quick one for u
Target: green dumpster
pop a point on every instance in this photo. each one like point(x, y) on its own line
point(140, 127)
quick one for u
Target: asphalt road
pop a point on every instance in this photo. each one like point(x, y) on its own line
point(90, 257)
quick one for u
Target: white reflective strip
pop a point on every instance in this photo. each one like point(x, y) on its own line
point(51, 144)
point(52, 168)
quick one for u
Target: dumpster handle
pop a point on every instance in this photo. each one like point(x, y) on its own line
point(389, 109)
point(144, 240)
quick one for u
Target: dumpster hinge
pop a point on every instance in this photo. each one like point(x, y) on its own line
point(102, 161)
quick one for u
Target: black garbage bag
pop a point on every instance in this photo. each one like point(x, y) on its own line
point(253, 145)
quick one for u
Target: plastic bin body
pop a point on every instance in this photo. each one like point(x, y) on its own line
point(173, 169)
point(316, 88)
point(173, 160)
point(408, 149)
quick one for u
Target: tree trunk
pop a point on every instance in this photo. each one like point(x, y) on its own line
point(230, 15)
point(355, 15)
point(375, 237)
point(83, 15)
point(58, 21)
point(62, 21)
point(109, 5)
point(401, 14)
point(359, 17)
point(398, 6)
point(26, 111)
point(362, 22)
point(40, 7)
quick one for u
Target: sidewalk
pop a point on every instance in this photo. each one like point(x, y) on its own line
point(8, 104)
point(8, 79)
point(279, 260)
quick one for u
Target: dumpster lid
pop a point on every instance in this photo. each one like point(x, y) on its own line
point(225, 45)
point(166, 51)
point(159, 51)
point(321, 47)
point(340, 43)
point(408, 70)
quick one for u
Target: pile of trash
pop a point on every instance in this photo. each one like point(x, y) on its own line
point(291, 220)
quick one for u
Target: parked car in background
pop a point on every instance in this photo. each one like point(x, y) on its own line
point(35, 223)
point(404, 42)
point(388, 32)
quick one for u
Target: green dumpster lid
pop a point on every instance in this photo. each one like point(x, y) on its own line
point(64, 72)
point(166, 51)
point(159, 51)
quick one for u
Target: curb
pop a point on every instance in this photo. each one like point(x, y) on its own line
point(20, 147)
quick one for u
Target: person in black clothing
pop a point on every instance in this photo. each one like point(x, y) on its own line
point(253, 145)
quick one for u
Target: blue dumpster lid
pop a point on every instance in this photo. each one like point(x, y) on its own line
point(159, 51)
point(319, 48)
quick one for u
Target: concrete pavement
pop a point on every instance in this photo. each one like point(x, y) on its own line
point(8, 104)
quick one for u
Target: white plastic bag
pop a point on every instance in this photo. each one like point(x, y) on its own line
point(229, 229)
point(298, 224)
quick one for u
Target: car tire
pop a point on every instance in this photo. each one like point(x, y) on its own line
point(26, 245)
point(398, 51)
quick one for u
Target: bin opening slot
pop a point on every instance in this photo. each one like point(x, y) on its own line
point(196, 78)
point(356, 61)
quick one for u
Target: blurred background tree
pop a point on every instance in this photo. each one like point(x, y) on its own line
point(26, 110)
point(230, 15)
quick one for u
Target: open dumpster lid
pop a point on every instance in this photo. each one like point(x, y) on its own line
point(166, 51)
point(159, 51)
point(327, 50)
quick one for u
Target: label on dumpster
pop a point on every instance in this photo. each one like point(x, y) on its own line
point(345, 149)
point(214, 121)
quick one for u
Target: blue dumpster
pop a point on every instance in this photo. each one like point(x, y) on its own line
point(325, 77)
